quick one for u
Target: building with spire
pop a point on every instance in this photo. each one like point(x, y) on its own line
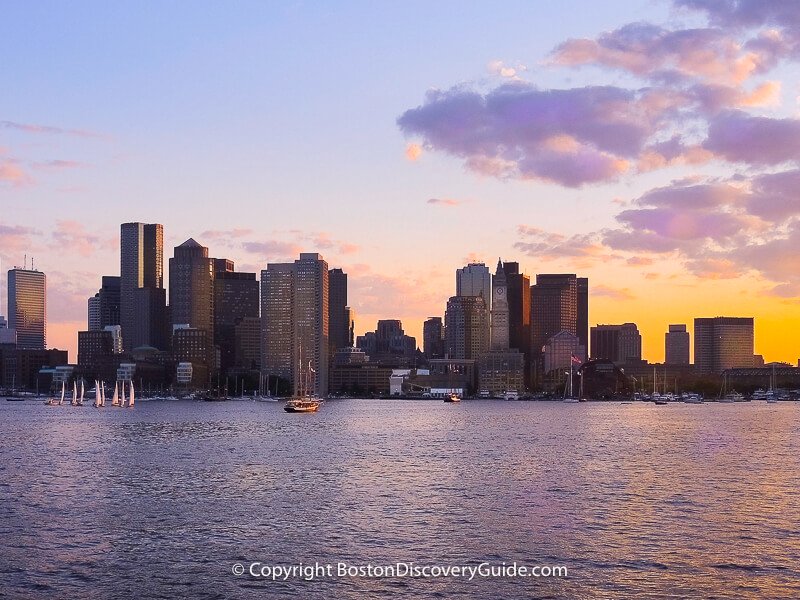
point(499, 312)
point(502, 369)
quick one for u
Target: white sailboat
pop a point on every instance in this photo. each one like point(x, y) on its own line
point(102, 393)
point(122, 394)
point(131, 399)
point(74, 393)
point(53, 401)
point(115, 397)
point(97, 400)
point(63, 390)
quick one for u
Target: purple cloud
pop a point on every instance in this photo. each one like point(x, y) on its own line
point(572, 137)
point(739, 137)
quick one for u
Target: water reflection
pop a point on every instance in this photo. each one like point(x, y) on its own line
point(636, 500)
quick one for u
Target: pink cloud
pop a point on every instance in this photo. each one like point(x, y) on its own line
point(449, 202)
point(273, 250)
point(12, 174)
point(648, 50)
point(613, 293)
point(48, 129)
point(71, 236)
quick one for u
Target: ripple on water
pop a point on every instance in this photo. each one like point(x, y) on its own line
point(636, 502)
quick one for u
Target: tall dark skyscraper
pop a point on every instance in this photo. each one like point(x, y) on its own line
point(338, 321)
point(433, 337)
point(676, 345)
point(142, 313)
point(723, 343)
point(27, 307)
point(554, 308)
point(236, 298)
point(191, 290)
point(109, 301)
point(519, 308)
point(582, 326)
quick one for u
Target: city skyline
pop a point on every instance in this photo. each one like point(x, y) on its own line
point(663, 202)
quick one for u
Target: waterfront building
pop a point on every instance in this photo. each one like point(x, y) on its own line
point(501, 371)
point(676, 345)
point(27, 307)
point(294, 319)
point(560, 350)
point(617, 343)
point(722, 343)
point(143, 314)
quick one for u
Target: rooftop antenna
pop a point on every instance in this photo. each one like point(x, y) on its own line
point(25, 262)
point(32, 269)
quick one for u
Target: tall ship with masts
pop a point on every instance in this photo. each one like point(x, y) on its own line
point(305, 399)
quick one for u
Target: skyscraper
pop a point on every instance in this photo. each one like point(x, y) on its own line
point(554, 308)
point(465, 324)
point(499, 313)
point(676, 345)
point(618, 343)
point(27, 307)
point(475, 280)
point(582, 305)
point(518, 293)
point(94, 313)
point(294, 319)
point(236, 298)
point(433, 337)
point(722, 343)
point(339, 321)
point(142, 313)
point(109, 301)
point(191, 290)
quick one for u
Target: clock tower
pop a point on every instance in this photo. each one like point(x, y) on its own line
point(499, 339)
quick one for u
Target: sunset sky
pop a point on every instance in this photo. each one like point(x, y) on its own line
point(651, 146)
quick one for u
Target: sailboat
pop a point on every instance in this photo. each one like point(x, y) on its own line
point(115, 397)
point(131, 399)
point(60, 401)
point(569, 396)
point(657, 398)
point(122, 394)
point(102, 393)
point(771, 396)
point(303, 401)
point(75, 394)
point(98, 401)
